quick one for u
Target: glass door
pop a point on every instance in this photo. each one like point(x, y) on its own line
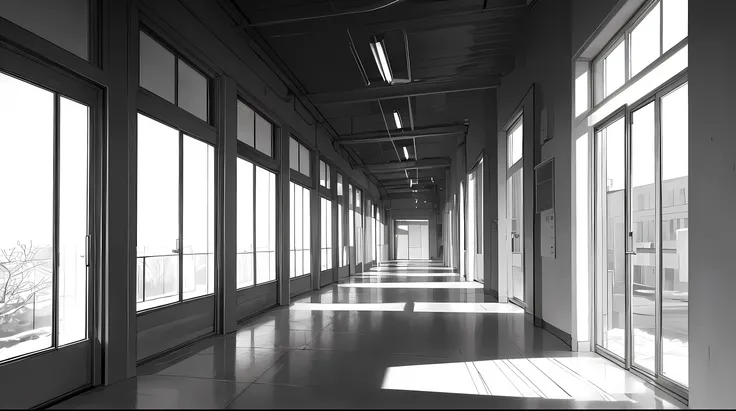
point(641, 206)
point(47, 232)
point(461, 209)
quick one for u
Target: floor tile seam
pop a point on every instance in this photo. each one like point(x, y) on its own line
point(191, 377)
point(278, 360)
point(238, 396)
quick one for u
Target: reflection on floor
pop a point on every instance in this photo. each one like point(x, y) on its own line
point(393, 342)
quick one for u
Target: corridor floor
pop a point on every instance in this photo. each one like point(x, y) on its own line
point(403, 335)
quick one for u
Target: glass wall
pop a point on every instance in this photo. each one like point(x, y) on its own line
point(300, 231)
point(256, 225)
point(175, 252)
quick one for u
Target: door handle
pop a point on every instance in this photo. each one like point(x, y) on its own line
point(630, 244)
point(176, 251)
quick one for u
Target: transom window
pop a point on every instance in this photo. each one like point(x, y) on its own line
point(299, 157)
point(515, 142)
point(661, 25)
point(254, 130)
point(324, 175)
point(171, 78)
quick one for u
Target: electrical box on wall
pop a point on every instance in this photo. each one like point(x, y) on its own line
point(545, 205)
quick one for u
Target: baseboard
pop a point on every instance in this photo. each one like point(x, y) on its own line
point(563, 336)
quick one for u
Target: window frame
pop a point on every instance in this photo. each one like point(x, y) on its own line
point(179, 52)
point(182, 134)
point(297, 174)
point(252, 150)
point(624, 34)
point(255, 218)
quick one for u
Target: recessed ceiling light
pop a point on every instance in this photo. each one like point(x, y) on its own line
point(406, 153)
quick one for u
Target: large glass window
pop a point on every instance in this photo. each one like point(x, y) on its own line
point(326, 234)
point(256, 225)
point(254, 130)
point(299, 157)
point(33, 146)
point(351, 217)
point(342, 249)
point(63, 22)
point(358, 227)
point(174, 256)
point(171, 78)
point(300, 230)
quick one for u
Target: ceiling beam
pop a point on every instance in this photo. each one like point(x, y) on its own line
point(403, 134)
point(404, 90)
point(392, 167)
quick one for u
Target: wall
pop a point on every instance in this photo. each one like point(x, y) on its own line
point(544, 60)
point(712, 166)
point(404, 209)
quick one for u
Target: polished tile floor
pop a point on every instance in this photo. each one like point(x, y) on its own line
point(405, 335)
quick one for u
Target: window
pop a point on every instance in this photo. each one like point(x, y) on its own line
point(661, 25)
point(326, 234)
point(299, 157)
point(169, 77)
point(300, 230)
point(254, 130)
point(515, 142)
point(256, 225)
point(63, 22)
point(170, 253)
point(324, 175)
point(358, 227)
point(33, 145)
point(340, 215)
point(351, 217)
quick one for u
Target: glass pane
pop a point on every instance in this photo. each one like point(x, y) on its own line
point(304, 160)
point(264, 136)
point(645, 41)
point(199, 218)
point(340, 234)
point(610, 231)
point(643, 264)
point(192, 91)
point(246, 121)
point(674, 22)
point(156, 68)
point(614, 70)
point(307, 230)
point(339, 184)
point(675, 278)
point(272, 225)
point(293, 154)
point(328, 182)
point(515, 142)
point(26, 145)
point(263, 225)
point(62, 22)
point(73, 178)
point(516, 220)
point(322, 180)
point(158, 212)
point(245, 247)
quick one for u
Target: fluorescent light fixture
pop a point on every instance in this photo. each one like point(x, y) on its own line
point(379, 54)
point(397, 119)
point(411, 182)
point(406, 153)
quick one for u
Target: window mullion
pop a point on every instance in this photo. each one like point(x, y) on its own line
point(180, 245)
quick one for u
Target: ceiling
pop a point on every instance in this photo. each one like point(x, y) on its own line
point(437, 48)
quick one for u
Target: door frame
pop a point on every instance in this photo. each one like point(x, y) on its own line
point(33, 368)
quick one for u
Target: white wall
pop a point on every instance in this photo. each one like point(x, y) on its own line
point(712, 166)
point(544, 60)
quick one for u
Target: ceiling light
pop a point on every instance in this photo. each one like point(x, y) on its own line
point(411, 183)
point(406, 153)
point(433, 179)
point(397, 119)
point(378, 47)
point(406, 173)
